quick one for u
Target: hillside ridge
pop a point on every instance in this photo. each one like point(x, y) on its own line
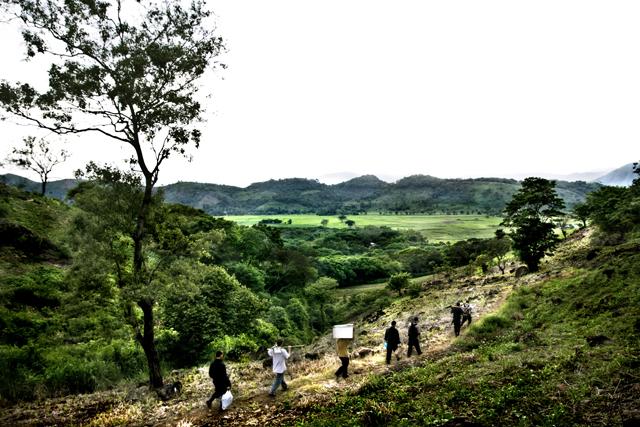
point(413, 194)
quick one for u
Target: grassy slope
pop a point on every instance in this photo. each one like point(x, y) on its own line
point(436, 228)
point(527, 363)
point(563, 350)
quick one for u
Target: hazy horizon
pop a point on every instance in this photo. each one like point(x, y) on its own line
point(450, 89)
point(339, 177)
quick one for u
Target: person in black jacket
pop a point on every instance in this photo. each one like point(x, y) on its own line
point(219, 377)
point(456, 313)
point(392, 338)
point(414, 334)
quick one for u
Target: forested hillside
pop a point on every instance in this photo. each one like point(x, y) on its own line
point(67, 320)
point(69, 324)
point(556, 347)
point(414, 194)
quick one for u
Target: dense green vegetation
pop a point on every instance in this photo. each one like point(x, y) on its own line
point(67, 319)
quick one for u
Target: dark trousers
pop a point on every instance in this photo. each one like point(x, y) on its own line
point(416, 344)
point(342, 370)
point(217, 393)
point(466, 318)
point(456, 327)
point(390, 351)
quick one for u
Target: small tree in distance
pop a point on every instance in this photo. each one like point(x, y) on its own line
point(499, 247)
point(398, 282)
point(38, 157)
point(581, 212)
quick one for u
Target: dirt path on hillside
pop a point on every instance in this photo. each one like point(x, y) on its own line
point(310, 381)
point(313, 381)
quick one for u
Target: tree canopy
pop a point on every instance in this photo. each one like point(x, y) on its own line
point(530, 213)
point(127, 71)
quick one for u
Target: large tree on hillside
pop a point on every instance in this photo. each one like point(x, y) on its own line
point(530, 214)
point(126, 71)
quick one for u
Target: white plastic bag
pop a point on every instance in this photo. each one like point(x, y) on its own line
point(226, 399)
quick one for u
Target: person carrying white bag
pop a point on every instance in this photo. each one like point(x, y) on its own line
point(221, 382)
point(226, 399)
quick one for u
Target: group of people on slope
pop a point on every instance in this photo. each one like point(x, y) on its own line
point(279, 355)
point(392, 340)
point(460, 314)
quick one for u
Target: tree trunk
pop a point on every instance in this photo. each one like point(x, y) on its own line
point(148, 344)
point(147, 339)
point(44, 186)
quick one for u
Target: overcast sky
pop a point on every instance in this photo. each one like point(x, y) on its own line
point(394, 88)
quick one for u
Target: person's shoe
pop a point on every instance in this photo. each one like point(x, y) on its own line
point(284, 387)
point(272, 395)
point(345, 376)
point(209, 404)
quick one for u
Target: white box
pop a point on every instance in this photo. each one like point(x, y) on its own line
point(343, 331)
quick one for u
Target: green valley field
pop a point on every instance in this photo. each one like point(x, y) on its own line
point(435, 228)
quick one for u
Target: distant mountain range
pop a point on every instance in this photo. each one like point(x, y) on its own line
point(621, 177)
point(413, 194)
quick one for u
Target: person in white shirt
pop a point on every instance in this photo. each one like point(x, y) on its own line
point(279, 356)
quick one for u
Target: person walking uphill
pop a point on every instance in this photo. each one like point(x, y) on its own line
point(414, 337)
point(343, 353)
point(392, 339)
point(279, 356)
point(456, 312)
point(219, 377)
point(466, 314)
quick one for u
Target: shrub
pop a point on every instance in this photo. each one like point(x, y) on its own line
point(235, 348)
point(19, 370)
point(490, 325)
point(414, 289)
point(264, 333)
point(71, 376)
point(128, 357)
point(398, 282)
